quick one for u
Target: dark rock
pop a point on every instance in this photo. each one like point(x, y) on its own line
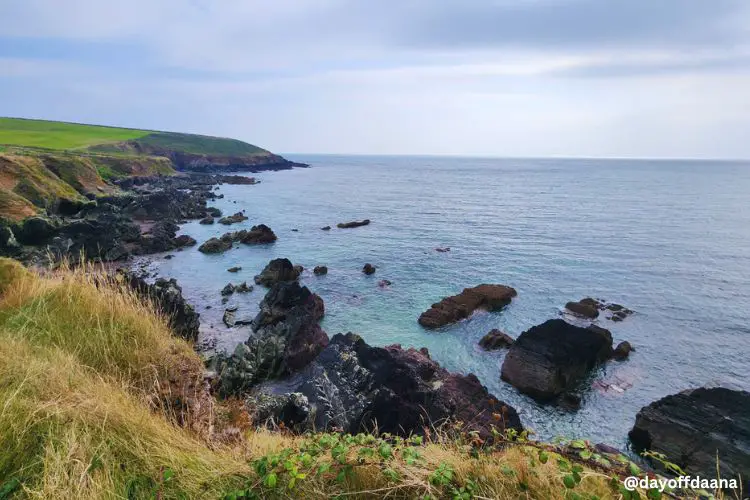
point(325, 228)
point(622, 351)
point(169, 257)
point(347, 225)
point(693, 427)
point(213, 212)
point(369, 269)
point(277, 270)
point(207, 220)
point(443, 250)
point(184, 241)
point(230, 318)
point(295, 230)
point(36, 230)
point(215, 245)
point(286, 337)
point(235, 269)
point(582, 308)
point(228, 289)
point(458, 307)
point(353, 386)
point(496, 339)
point(570, 401)
point(259, 234)
point(552, 358)
point(320, 270)
point(8, 243)
point(243, 288)
point(69, 208)
point(233, 219)
point(166, 295)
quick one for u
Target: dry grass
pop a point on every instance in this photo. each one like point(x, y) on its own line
point(98, 400)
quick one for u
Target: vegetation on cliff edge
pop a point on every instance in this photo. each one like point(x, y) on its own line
point(100, 401)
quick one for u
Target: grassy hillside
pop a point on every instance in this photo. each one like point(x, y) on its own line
point(100, 401)
point(37, 181)
point(17, 132)
point(60, 135)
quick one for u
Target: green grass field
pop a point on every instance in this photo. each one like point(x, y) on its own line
point(51, 135)
point(60, 135)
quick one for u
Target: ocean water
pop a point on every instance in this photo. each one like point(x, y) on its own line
point(669, 239)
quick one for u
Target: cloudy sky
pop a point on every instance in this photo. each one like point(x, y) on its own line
point(622, 78)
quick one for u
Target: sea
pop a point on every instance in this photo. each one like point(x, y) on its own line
point(669, 239)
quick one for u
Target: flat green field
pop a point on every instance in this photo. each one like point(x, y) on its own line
point(60, 135)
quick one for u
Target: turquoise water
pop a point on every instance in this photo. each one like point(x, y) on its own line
point(669, 239)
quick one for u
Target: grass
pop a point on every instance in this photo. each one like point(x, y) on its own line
point(98, 400)
point(63, 136)
point(60, 135)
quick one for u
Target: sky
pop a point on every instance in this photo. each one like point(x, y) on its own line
point(591, 78)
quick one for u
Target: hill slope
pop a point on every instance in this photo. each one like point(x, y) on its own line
point(44, 161)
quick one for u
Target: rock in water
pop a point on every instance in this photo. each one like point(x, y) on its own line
point(692, 427)
point(550, 359)
point(496, 339)
point(622, 351)
point(458, 307)
point(347, 225)
point(320, 270)
point(277, 270)
point(207, 220)
point(286, 337)
point(259, 234)
point(583, 308)
point(233, 219)
point(352, 386)
point(215, 245)
point(235, 269)
point(325, 228)
point(369, 269)
point(167, 296)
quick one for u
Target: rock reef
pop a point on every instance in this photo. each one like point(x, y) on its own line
point(458, 307)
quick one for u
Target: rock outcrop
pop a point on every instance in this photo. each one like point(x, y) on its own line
point(693, 427)
point(590, 308)
point(277, 270)
point(233, 219)
point(320, 270)
point(166, 295)
point(215, 245)
point(550, 359)
point(356, 223)
point(353, 386)
point(458, 307)
point(259, 234)
point(496, 339)
point(286, 337)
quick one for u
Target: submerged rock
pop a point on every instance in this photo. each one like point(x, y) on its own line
point(277, 270)
point(215, 245)
point(352, 386)
point(458, 307)
point(369, 269)
point(384, 283)
point(693, 427)
point(347, 225)
point(550, 359)
point(496, 339)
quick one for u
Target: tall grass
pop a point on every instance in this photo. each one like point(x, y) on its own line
point(98, 400)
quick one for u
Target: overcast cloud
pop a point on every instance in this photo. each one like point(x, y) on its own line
point(623, 78)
